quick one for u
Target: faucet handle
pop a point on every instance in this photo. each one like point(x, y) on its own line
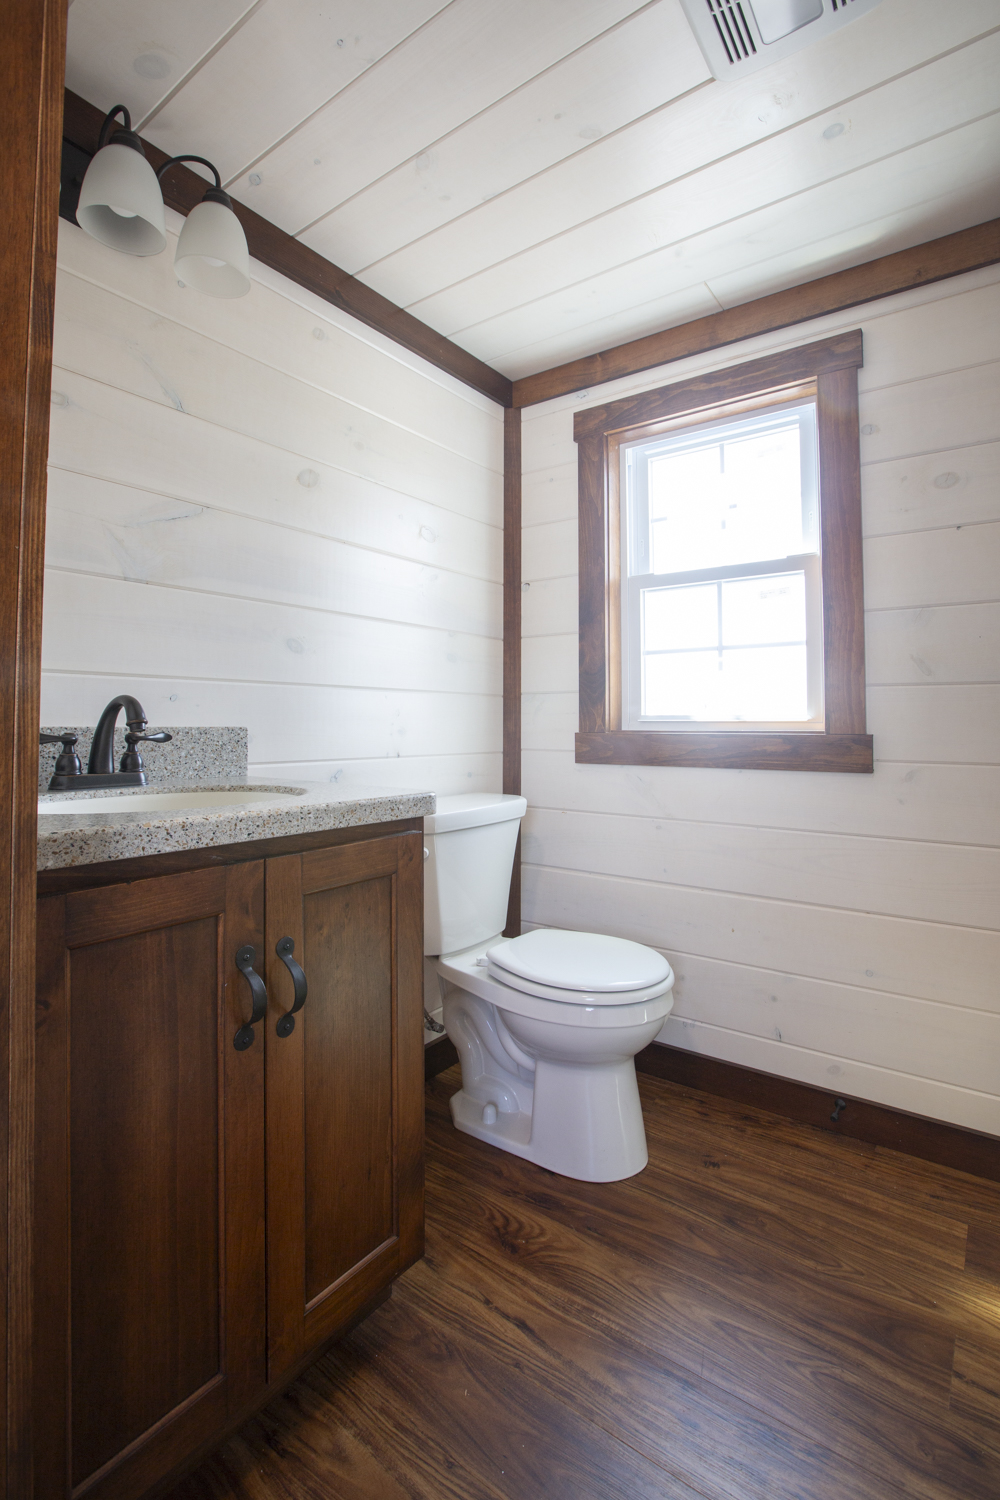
point(68, 762)
point(132, 760)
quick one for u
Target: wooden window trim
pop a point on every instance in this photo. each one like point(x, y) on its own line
point(844, 745)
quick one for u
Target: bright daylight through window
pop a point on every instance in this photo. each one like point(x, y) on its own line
point(722, 594)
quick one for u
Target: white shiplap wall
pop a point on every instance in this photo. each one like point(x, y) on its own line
point(540, 181)
point(353, 621)
point(839, 930)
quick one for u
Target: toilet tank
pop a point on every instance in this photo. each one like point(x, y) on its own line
point(469, 854)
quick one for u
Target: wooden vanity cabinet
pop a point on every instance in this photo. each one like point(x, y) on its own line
point(209, 1216)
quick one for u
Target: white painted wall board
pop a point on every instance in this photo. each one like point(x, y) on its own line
point(932, 961)
point(713, 177)
point(338, 507)
point(937, 883)
point(550, 550)
point(314, 721)
point(647, 59)
point(943, 722)
point(288, 60)
point(956, 487)
point(127, 346)
point(960, 565)
point(335, 618)
point(550, 607)
point(123, 533)
point(938, 803)
point(946, 1043)
point(956, 644)
point(550, 664)
point(133, 52)
point(859, 1080)
point(268, 327)
point(181, 633)
point(951, 410)
point(110, 432)
point(460, 62)
point(548, 494)
point(444, 774)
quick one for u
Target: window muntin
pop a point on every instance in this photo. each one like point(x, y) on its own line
point(722, 596)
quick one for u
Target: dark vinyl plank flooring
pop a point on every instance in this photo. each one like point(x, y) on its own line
point(766, 1313)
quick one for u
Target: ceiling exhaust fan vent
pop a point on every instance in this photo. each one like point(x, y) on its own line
point(734, 33)
point(740, 36)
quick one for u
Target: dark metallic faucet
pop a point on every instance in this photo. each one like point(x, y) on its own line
point(100, 770)
point(102, 751)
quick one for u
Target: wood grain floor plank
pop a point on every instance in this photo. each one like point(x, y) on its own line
point(453, 1407)
point(889, 1376)
point(768, 1312)
point(899, 1178)
point(726, 1264)
point(975, 1387)
point(982, 1248)
point(662, 1410)
point(839, 1196)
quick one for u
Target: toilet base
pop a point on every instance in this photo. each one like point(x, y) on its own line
point(599, 1138)
point(580, 1118)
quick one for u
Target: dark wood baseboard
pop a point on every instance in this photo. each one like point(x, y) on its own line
point(438, 1056)
point(878, 1125)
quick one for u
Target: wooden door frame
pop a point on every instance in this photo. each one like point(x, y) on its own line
point(32, 63)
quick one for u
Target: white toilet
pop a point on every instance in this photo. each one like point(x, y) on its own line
point(546, 1025)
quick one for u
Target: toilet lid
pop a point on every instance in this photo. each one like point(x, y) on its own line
point(582, 961)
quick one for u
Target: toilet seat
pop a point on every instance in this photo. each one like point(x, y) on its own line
point(547, 1003)
point(589, 963)
point(578, 997)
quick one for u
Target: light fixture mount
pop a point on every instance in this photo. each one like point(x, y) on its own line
point(123, 136)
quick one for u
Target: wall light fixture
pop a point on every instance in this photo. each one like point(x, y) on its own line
point(121, 205)
point(120, 200)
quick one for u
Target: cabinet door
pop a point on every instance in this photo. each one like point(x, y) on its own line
point(344, 1086)
point(150, 1321)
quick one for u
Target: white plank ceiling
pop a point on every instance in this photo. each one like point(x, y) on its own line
point(542, 180)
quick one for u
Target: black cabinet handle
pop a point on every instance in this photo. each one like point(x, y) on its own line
point(284, 948)
point(246, 957)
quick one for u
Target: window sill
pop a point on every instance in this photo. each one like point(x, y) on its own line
point(737, 750)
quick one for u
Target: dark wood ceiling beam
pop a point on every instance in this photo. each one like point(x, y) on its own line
point(967, 250)
point(183, 188)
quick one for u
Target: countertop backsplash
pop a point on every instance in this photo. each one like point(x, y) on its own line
point(194, 753)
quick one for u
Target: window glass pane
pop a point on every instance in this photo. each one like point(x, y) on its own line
point(766, 683)
point(673, 619)
point(762, 611)
point(757, 671)
point(732, 495)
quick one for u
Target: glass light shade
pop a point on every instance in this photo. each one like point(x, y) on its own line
point(212, 254)
point(121, 204)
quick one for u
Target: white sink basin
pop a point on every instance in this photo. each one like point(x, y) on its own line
point(155, 802)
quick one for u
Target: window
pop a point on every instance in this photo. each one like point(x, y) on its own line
point(720, 569)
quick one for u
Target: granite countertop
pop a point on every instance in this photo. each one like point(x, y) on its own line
point(84, 838)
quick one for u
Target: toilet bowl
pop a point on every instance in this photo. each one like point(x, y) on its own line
point(546, 1025)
